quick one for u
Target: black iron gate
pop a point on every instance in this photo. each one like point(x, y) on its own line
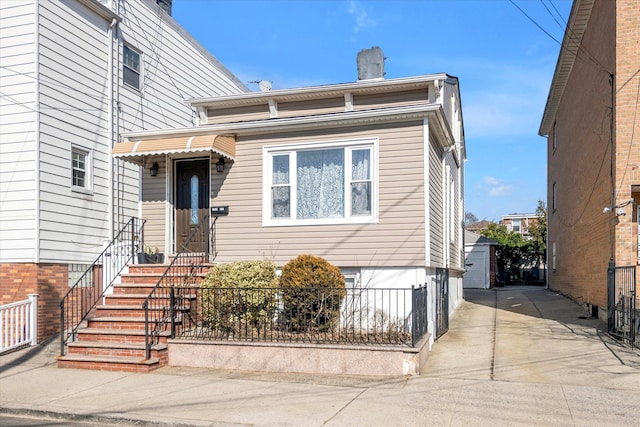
point(623, 311)
point(442, 301)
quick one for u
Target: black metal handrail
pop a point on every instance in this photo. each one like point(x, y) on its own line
point(170, 301)
point(372, 316)
point(98, 279)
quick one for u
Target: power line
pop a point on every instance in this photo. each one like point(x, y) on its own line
point(579, 46)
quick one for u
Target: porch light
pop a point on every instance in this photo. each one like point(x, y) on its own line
point(153, 170)
point(220, 165)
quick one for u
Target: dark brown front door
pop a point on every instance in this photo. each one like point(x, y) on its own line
point(192, 203)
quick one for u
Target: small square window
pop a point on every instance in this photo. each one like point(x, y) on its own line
point(80, 168)
point(131, 67)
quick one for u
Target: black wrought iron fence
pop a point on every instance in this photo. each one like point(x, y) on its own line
point(312, 315)
point(173, 299)
point(623, 310)
point(98, 279)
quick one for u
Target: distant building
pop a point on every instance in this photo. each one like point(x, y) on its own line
point(478, 227)
point(519, 223)
point(481, 266)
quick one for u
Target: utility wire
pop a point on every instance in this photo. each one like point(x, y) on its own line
point(633, 130)
point(568, 31)
point(579, 46)
point(562, 27)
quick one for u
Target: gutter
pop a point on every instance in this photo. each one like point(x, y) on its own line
point(110, 126)
point(37, 133)
point(303, 123)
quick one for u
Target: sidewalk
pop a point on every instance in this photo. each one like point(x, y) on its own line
point(514, 356)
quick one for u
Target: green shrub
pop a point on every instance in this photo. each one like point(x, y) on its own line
point(313, 290)
point(239, 297)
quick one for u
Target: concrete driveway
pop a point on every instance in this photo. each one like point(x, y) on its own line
point(512, 357)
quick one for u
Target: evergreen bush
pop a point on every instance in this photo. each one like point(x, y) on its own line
point(313, 290)
point(239, 297)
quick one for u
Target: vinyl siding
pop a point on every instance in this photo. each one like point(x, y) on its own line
point(454, 219)
point(154, 203)
point(305, 108)
point(74, 100)
point(74, 113)
point(436, 207)
point(172, 70)
point(18, 131)
point(397, 240)
point(386, 100)
point(238, 114)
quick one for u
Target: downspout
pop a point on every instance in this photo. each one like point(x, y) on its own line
point(110, 127)
point(37, 134)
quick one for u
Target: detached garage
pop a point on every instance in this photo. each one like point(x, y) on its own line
point(480, 261)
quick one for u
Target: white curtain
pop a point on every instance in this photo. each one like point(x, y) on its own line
point(280, 192)
point(361, 189)
point(320, 184)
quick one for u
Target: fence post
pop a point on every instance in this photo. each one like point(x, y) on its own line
point(611, 290)
point(414, 316)
point(33, 319)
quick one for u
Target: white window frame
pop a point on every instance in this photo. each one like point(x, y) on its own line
point(517, 221)
point(138, 71)
point(291, 149)
point(88, 169)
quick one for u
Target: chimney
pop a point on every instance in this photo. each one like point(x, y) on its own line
point(370, 64)
point(165, 5)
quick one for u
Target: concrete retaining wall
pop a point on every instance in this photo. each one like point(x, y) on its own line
point(300, 358)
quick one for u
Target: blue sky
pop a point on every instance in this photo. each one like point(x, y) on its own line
point(503, 60)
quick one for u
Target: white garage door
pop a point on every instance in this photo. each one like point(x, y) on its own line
point(476, 275)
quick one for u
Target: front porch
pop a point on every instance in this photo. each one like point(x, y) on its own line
point(141, 327)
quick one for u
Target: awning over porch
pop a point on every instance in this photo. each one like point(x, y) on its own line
point(135, 151)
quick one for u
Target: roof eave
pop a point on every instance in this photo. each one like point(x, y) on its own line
point(578, 20)
point(339, 89)
point(404, 113)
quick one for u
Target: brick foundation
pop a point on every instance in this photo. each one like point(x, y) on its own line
point(49, 281)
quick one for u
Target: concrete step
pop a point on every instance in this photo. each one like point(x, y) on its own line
point(102, 363)
point(117, 335)
point(121, 310)
point(138, 299)
point(124, 323)
point(115, 349)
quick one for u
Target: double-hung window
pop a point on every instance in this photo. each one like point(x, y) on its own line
point(80, 169)
point(131, 67)
point(328, 183)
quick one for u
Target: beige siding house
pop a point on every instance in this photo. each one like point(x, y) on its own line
point(368, 175)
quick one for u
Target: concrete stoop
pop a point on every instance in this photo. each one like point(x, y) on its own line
point(113, 339)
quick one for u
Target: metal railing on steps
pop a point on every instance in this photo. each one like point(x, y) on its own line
point(172, 297)
point(98, 279)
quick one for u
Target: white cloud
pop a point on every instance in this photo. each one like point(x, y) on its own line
point(494, 187)
point(363, 21)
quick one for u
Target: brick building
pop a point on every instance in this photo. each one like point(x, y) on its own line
point(591, 124)
point(519, 223)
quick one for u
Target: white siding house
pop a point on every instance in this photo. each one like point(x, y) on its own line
point(74, 76)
